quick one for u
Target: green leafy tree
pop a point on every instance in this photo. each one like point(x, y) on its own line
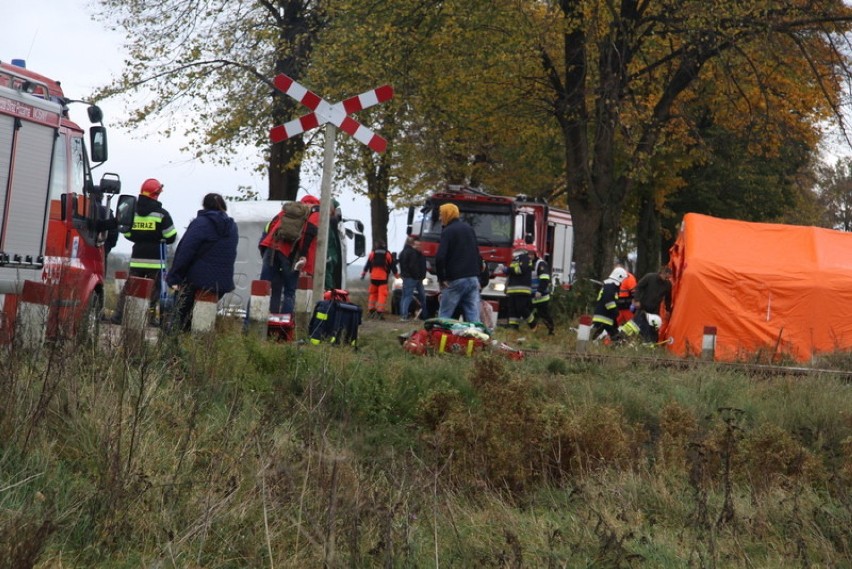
point(206, 68)
point(456, 116)
point(621, 71)
point(734, 183)
point(834, 183)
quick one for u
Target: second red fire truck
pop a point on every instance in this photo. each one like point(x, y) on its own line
point(498, 221)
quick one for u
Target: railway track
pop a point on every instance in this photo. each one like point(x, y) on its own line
point(753, 369)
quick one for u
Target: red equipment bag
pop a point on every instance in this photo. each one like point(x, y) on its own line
point(437, 341)
point(443, 341)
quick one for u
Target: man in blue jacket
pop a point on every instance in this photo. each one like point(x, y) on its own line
point(458, 265)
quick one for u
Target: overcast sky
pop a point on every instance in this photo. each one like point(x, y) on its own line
point(59, 39)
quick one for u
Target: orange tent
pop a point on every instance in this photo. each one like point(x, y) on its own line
point(768, 289)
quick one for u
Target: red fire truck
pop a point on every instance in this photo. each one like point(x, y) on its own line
point(54, 220)
point(498, 221)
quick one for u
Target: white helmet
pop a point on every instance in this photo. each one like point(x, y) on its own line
point(654, 320)
point(618, 275)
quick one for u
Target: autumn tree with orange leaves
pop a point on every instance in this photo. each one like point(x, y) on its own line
point(625, 73)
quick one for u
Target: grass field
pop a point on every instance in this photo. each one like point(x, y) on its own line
point(226, 451)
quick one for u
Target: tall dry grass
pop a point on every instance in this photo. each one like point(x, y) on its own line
point(223, 451)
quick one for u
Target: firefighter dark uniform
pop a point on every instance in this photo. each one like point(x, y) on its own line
point(152, 225)
point(542, 288)
point(606, 309)
point(519, 286)
point(380, 264)
point(652, 291)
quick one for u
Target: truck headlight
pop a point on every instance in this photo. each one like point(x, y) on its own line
point(499, 287)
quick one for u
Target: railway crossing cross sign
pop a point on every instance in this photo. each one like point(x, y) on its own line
point(325, 112)
point(332, 116)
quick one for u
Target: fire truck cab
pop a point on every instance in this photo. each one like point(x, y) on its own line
point(498, 221)
point(54, 220)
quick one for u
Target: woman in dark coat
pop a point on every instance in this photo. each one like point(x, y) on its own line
point(204, 259)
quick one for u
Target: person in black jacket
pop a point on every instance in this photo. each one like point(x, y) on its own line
point(541, 290)
point(652, 292)
point(204, 259)
point(412, 267)
point(519, 284)
point(152, 225)
point(458, 264)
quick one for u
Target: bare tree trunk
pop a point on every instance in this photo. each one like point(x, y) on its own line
point(378, 187)
point(284, 171)
point(648, 240)
point(297, 27)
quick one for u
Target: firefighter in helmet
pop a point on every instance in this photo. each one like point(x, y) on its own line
point(152, 225)
point(519, 284)
point(541, 289)
point(606, 308)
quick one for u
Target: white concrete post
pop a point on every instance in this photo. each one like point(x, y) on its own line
point(204, 311)
point(120, 279)
point(708, 343)
point(137, 300)
point(258, 316)
point(583, 332)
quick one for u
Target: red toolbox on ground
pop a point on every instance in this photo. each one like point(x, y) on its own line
point(281, 327)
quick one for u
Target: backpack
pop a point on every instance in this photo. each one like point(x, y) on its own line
point(335, 322)
point(292, 221)
point(380, 259)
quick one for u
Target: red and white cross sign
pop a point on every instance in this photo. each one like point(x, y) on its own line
point(325, 112)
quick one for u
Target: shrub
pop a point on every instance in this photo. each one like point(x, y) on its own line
point(678, 427)
point(769, 456)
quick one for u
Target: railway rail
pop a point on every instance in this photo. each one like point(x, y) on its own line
point(753, 369)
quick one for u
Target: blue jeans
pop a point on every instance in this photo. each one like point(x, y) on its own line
point(408, 288)
point(461, 293)
point(277, 270)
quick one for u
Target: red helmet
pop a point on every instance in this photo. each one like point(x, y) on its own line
point(521, 245)
point(151, 188)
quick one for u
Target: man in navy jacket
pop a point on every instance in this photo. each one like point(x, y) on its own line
point(204, 259)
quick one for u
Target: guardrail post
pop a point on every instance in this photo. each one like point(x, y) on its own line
point(204, 311)
point(33, 314)
point(120, 279)
point(708, 343)
point(137, 302)
point(258, 314)
point(584, 330)
point(8, 311)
